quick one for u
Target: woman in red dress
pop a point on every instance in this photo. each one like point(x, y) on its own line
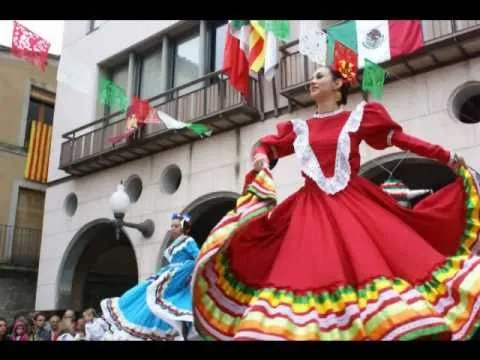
point(340, 259)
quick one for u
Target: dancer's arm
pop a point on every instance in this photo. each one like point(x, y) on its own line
point(380, 131)
point(272, 147)
point(420, 147)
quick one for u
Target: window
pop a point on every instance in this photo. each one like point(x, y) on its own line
point(464, 103)
point(218, 37)
point(469, 112)
point(29, 212)
point(151, 74)
point(186, 64)
point(38, 110)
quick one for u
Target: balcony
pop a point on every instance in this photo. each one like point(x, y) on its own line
point(19, 246)
point(446, 42)
point(212, 102)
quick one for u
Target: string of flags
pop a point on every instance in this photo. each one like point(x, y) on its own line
point(312, 41)
point(32, 48)
point(345, 60)
point(373, 79)
point(250, 46)
point(111, 94)
point(171, 123)
point(29, 46)
point(356, 44)
point(140, 113)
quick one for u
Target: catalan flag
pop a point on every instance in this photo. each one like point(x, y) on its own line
point(256, 43)
point(36, 168)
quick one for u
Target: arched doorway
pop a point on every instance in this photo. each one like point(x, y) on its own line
point(96, 265)
point(206, 212)
point(414, 171)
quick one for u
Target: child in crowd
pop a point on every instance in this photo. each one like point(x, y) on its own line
point(95, 327)
point(20, 331)
point(66, 330)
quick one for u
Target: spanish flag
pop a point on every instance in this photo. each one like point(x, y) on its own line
point(36, 168)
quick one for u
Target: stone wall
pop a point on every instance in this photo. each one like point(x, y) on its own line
point(17, 292)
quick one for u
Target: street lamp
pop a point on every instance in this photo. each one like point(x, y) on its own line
point(119, 203)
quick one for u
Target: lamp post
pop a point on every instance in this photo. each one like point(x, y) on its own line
point(119, 203)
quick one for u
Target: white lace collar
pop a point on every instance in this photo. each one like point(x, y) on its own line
point(309, 162)
point(318, 115)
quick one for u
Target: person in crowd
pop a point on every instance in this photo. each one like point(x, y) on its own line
point(3, 330)
point(66, 330)
point(30, 319)
point(80, 329)
point(95, 327)
point(69, 314)
point(41, 331)
point(54, 322)
point(20, 330)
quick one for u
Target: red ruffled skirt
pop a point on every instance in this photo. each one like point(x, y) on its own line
point(352, 266)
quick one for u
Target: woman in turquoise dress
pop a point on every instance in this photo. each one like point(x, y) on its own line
point(160, 307)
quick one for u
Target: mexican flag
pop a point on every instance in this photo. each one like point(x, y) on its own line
point(235, 59)
point(377, 40)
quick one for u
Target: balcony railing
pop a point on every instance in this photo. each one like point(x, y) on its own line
point(19, 246)
point(446, 42)
point(210, 100)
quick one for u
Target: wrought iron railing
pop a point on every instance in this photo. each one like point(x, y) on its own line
point(19, 246)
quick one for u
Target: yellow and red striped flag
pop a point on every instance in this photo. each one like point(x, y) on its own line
point(257, 45)
point(40, 139)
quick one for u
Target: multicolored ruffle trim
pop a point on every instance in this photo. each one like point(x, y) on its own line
point(121, 328)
